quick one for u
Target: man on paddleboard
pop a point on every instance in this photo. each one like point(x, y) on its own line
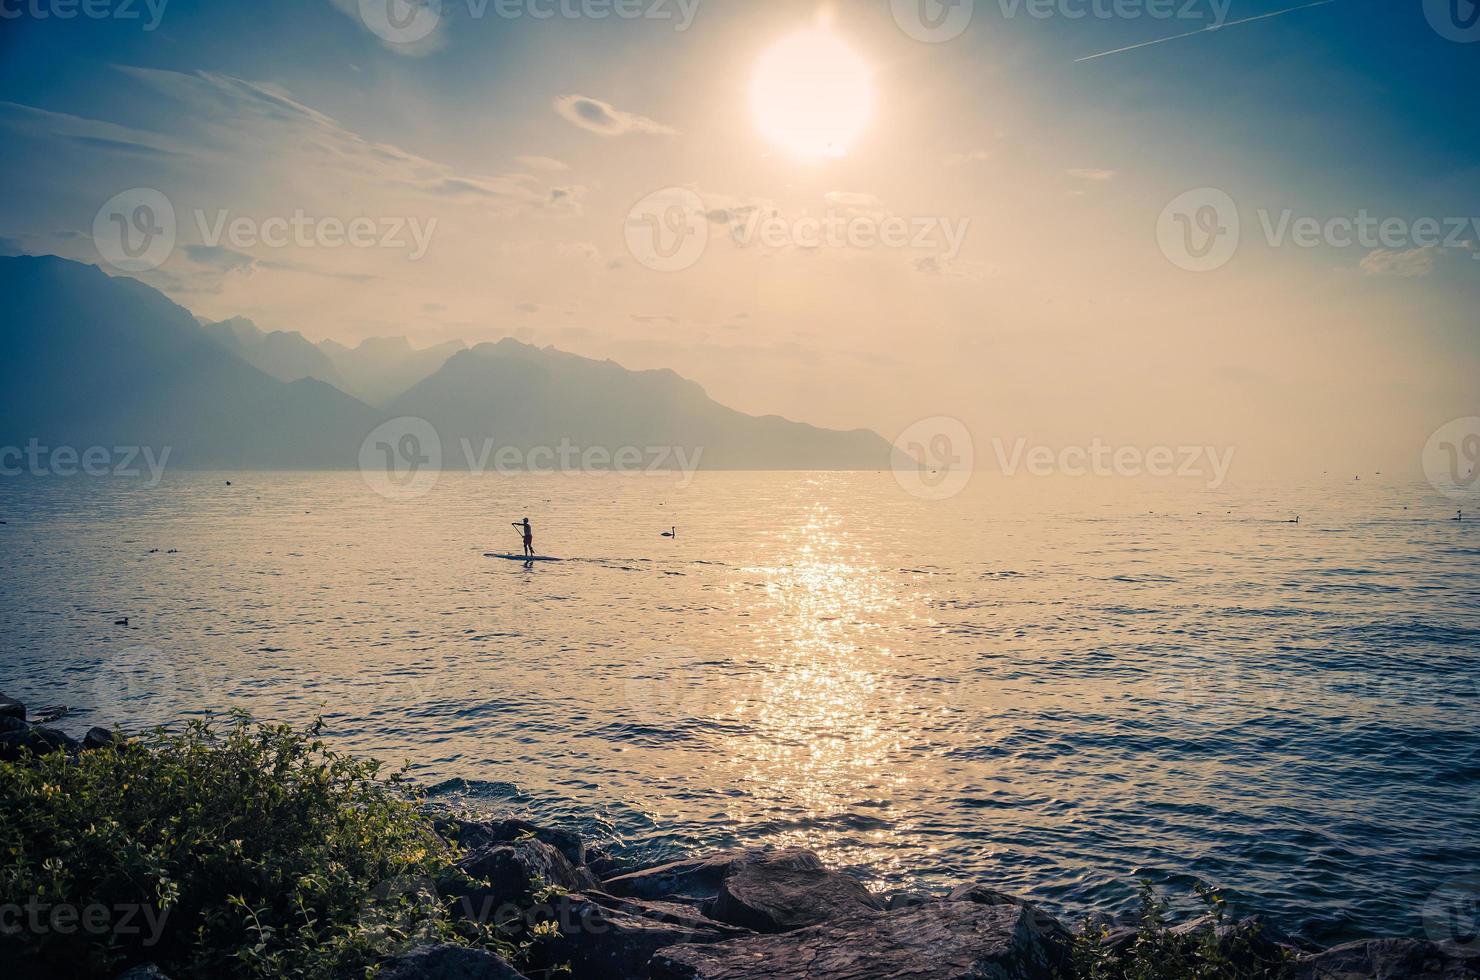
point(528, 537)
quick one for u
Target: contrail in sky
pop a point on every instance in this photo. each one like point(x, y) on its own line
point(1211, 27)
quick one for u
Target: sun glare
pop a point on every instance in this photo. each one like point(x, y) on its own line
point(812, 95)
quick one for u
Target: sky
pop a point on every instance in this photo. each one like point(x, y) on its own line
point(856, 214)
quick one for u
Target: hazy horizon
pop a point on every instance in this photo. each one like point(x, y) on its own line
point(1033, 286)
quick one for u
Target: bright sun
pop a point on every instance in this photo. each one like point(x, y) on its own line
point(812, 95)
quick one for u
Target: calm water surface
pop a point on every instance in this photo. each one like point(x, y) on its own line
point(1052, 687)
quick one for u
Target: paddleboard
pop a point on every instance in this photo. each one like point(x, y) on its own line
point(520, 557)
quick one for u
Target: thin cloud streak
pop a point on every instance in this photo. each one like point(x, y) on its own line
point(1203, 30)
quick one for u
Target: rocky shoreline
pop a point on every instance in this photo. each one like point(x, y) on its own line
point(778, 914)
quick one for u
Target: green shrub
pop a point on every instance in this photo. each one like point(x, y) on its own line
point(1159, 954)
point(243, 850)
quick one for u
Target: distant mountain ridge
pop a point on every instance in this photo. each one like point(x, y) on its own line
point(108, 361)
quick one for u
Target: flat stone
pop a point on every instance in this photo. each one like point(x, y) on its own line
point(940, 941)
point(778, 891)
point(1390, 959)
point(605, 937)
point(692, 879)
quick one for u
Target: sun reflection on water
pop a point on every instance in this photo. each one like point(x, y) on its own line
point(825, 723)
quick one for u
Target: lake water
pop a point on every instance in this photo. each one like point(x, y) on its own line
point(1051, 686)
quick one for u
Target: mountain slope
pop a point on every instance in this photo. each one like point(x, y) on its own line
point(99, 361)
point(525, 397)
point(285, 355)
point(381, 368)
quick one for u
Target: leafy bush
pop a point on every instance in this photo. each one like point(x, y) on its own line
point(244, 850)
point(1218, 952)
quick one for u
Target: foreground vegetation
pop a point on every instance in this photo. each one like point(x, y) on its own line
point(1218, 950)
point(234, 851)
point(246, 850)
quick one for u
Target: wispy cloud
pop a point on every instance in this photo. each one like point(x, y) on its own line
point(549, 164)
point(1096, 176)
point(971, 156)
point(606, 119)
point(1413, 263)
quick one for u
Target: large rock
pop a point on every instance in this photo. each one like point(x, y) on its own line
point(477, 834)
point(512, 871)
point(603, 937)
point(1389, 959)
point(942, 941)
point(11, 708)
point(449, 963)
point(16, 735)
point(692, 880)
point(979, 894)
point(778, 891)
point(99, 738)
